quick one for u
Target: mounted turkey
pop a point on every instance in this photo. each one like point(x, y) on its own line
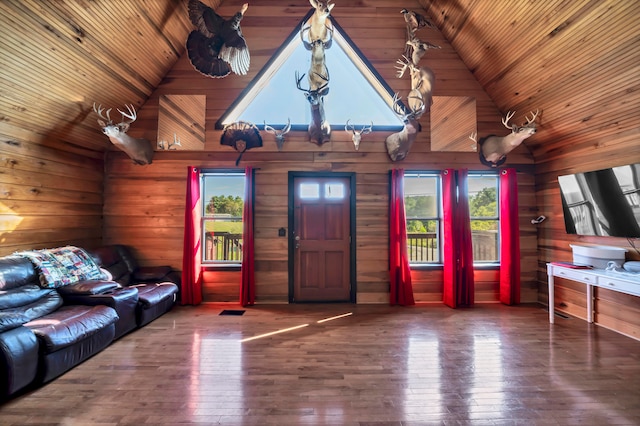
point(217, 48)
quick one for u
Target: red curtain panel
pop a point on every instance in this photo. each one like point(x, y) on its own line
point(509, 238)
point(466, 280)
point(458, 289)
point(191, 292)
point(248, 285)
point(401, 291)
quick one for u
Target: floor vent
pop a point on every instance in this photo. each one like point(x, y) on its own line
point(232, 312)
point(558, 314)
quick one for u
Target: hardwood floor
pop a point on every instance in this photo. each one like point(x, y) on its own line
point(378, 365)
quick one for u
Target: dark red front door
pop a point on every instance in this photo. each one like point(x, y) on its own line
point(322, 239)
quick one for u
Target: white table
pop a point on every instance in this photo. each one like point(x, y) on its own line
point(623, 282)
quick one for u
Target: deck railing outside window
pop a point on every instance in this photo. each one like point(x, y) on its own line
point(485, 246)
point(422, 247)
point(223, 246)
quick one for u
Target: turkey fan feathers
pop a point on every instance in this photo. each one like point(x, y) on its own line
point(216, 47)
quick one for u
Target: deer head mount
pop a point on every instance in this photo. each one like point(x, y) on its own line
point(398, 144)
point(279, 134)
point(169, 146)
point(139, 150)
point(318, 21)
point(416, 49)
point(356, 135)
point(308, 42)
point(318, 74)
point(319, 128)
point(422, 80)
point(493, 149)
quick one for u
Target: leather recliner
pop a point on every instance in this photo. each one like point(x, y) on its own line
point(158, 286)
point(40, 337)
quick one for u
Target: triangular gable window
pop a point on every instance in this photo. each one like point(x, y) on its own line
point(356, 91)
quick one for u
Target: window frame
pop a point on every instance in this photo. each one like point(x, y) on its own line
point(438, 218)
point(206, 218)
point(484, 174)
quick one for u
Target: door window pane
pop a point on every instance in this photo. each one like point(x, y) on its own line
point(309, 191)
point(334, 191)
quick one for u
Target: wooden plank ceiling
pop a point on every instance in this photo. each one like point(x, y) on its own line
point(572, 60)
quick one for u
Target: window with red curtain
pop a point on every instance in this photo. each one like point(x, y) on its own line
point(401, 291)
point(424, 217)
point(458, 290)
point(484, 215)
point(509, 238)
point(223, 195)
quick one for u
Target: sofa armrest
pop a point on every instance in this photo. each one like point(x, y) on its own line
point(18, 360)
point(9, 321)
point(88, 288)
point(123, 299)
point(151, 273)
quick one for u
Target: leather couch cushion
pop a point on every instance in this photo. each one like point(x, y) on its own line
point(46, 304)
point(88, 287)
point(106, 256)
point(152, 294)
point(127, 256)
point(10, 320)
point(109, 258)
point(71, 324)
point(16, 271)
point(21, 296)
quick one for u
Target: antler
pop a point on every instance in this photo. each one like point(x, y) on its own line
point(298, 80)
point(506, 119)
point(350, 128)
point(98, 110)
point(397, 105)
point(131, 115)
point(402, 68)
point(286, 128)
point(307, 45)
point(418, 109)
point(532, 119)
point(313, 95)
point(278, 133)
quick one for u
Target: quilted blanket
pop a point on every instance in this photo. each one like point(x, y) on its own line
point(63, 266)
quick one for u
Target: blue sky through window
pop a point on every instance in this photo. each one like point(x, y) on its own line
point(274, 97)
point(223, 184)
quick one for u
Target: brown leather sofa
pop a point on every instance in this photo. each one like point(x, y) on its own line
point(41, 336)
point(158, 286)
point(45, 332)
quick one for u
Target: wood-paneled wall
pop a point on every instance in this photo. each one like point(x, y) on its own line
point(48, 197)
point(57, 59)
point(581, 66)
point(144, 205)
